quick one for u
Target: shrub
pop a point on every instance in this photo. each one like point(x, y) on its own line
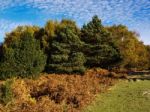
point(6, 92)
point(23, 57)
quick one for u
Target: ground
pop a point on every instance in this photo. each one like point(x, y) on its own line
point(124, 97)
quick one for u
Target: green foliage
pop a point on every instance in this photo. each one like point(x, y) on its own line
point(23, 57)
point(1, 50)
point(6, 94)
point(65, 52)
point(46, 35)
point(100, 49)
point(16, 33)
point(69, 49)
point(148, 55)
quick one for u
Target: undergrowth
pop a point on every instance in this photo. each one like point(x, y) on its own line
point(6, 94)
point(58, 93)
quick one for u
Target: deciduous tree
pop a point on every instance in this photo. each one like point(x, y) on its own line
point(132, 50)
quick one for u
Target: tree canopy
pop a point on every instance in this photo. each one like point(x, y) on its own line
point(132, 50)
point(23, 57)
point(63, 47)
point(65, 55)
point(100, 49)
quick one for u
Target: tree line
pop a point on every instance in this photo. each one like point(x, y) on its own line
point(63, 47)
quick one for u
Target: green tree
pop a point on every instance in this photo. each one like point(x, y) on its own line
point(1, 48)
point(100, 50)
point(65, 55)
point(17, 32)
point(47, 34)
point(23, 57)
point(148, 55)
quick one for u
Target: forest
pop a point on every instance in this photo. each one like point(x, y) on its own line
point(61, 67)
point(63, 47)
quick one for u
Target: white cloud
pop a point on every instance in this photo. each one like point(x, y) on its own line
point(7, 26)
point(119, 10)
point(132, 13)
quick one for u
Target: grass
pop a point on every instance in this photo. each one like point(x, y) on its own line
point(124, 97)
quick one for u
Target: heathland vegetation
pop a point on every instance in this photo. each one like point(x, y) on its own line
point(60, 67)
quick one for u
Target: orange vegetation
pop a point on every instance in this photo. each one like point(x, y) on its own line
point(57, 93)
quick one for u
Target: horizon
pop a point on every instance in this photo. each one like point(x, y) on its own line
point(135, 14)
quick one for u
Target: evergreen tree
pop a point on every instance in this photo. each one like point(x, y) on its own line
point(23, 57)
point(65, 52)
point(148, 55)
point(1, 48)
point(46, 35)
point(100, 50)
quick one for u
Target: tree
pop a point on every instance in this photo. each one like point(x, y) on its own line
point(47, 34)
point(65, 55)
point(100, 50)
point(1, 48)
point(23, 57)
point(132, 50)
point(17, 32)
point(148, 55)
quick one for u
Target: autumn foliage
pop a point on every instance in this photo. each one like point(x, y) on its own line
point(57, 93)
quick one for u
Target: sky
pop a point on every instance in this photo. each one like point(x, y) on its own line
point(133, 13)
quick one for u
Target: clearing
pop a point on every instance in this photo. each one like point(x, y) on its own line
point(124, 97)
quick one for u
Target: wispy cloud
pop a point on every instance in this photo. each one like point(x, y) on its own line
point(116, 10)
point(7, 26)
point(133, 13)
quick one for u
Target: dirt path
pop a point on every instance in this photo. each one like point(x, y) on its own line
point(139, 77)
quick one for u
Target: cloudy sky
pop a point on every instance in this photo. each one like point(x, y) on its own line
point(133, 13)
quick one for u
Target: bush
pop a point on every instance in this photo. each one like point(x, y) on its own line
point(6, 92)
point(23, 57)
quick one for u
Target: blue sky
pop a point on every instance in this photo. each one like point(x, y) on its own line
point(133, 13)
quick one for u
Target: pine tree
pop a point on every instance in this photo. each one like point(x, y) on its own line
point(65, 52)
point(23, 57)
point(100, 50)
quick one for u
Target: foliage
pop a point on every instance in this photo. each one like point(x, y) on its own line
point(100, 49)
point(132, 50)
point(23, 57)
point(69, 49)
point(47, 34)
point(57, 93)
point(17, 32)
point(148, 55)
point(65, 55)
point(1, 49)
point(6, 94)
